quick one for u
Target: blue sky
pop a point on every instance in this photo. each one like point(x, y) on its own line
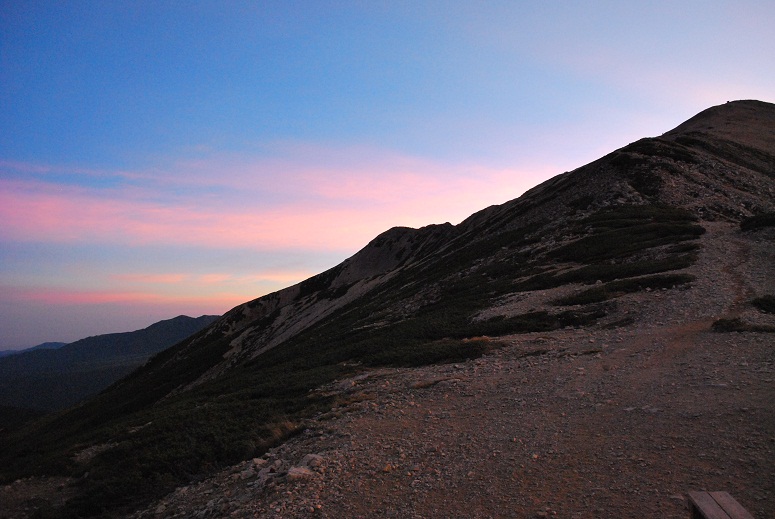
point(160, 158)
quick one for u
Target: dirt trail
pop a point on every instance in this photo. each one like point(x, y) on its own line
point(743, 291)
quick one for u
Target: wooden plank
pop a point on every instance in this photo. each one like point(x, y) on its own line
point(703, 505)
point(734, 509)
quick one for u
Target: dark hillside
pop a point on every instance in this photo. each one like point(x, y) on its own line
point(50, 379)
point(43, 346)
point(14, 417)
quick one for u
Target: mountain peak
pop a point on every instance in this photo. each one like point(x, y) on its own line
point(750, 123)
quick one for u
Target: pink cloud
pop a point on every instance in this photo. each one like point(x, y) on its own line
point(154, 279)
point(283, 277)
point(197, 281)
point(215, 279)
point(176, 292)
point(317, 200)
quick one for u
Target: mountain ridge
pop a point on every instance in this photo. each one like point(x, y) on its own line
point(626, 176)
point(43, 346)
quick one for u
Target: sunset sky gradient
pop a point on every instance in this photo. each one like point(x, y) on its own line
point(166, 158)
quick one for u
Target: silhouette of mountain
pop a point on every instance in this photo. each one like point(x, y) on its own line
point(43, 346)
point(54, 376)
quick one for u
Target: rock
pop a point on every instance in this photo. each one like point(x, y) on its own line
point(312, 460)
point(299, 473)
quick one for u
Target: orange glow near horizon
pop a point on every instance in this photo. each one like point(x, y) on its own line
point(51, 296)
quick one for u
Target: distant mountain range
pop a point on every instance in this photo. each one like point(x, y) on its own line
point(43, 346)
point(53, 376)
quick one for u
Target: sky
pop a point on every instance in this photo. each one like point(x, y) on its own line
point(160, 158)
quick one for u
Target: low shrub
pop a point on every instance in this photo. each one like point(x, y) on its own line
point(436, 352)
point(590, 274)
point(738, 325)
point(625, 241)
point(619, 288)
point(758, 221)
point(765, 304)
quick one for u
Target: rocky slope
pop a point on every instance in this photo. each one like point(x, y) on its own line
point(552, 356)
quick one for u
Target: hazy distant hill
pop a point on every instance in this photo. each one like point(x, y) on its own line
point(43, 346)
point(50, 377)
point(48, 346)
point(574, 264)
